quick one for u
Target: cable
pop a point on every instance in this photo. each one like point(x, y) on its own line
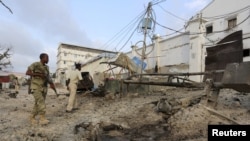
point(197, 33)
point(6, 6)
point(143, 14)
point(127, 40)
point(168, 27)
point(154, 2)
point(150, 15)
point(172, 14)
point(178, 31)
point(153, 18)
point(228, 14)
point(121, 31)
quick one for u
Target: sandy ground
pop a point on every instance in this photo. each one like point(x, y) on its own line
point(134, 117)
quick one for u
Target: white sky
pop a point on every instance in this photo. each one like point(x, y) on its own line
point(38, 26)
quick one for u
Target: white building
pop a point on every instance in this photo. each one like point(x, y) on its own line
point(69, 54)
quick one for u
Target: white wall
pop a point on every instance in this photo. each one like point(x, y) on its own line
point(174, 51)
point(166, 52)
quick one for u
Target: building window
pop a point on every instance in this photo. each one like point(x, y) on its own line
point(65, 54)
point(75, 55)
point(209, 29)
point(232, 23)
point(246, 52)
point(64, 62)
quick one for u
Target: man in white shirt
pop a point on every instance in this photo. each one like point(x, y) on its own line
point(71, 83)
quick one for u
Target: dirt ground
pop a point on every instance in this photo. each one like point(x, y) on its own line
point(132, 117)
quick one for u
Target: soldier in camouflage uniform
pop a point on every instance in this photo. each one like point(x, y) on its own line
point(39, 73)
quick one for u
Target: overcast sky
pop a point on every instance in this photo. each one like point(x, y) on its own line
point(38, 26)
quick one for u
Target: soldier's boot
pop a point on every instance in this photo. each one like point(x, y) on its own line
point(33, 120)
point(43, 120)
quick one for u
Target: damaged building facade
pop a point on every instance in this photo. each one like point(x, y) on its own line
point(199, 48)
point(214, 37)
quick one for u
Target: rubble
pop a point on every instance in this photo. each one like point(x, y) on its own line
point(168, 114)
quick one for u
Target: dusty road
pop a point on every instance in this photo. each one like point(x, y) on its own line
point(131, 118)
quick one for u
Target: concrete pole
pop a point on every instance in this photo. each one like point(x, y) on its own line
point(158, 53)
point(143, 56)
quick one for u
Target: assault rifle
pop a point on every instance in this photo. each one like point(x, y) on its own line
point(49, 79)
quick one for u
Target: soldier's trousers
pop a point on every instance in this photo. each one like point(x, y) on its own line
point(39, 105)
point(72, 103)
point(16, 88)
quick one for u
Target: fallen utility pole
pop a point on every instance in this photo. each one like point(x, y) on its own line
point(181, 84)
point(183, 74)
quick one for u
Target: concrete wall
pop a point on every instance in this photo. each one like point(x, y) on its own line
point(116, 85)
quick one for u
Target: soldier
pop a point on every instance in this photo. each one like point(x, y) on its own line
point(71, 84)
point(16, 85)
point(39, 73)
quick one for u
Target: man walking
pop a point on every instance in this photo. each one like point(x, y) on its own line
point(71, 84)
point(39, 73)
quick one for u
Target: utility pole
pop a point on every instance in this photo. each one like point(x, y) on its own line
point(146, 25)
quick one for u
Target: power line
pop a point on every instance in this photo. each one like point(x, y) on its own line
point(154, 2)
point(197, 33)
point(144, 13)
point(6, 6)
point(228, 14)
point(172, 14)
point(168, 27)
point(121, 31)
point(128, 27)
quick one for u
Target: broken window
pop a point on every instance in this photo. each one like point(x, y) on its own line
point(209, 29)
point(232, 23)
point(246, 52)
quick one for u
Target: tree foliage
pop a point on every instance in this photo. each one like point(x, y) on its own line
point(5, 57)
point(5, 52)
point(6, 6)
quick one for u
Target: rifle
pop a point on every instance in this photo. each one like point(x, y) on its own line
point(55, 90)
point(29, 83)
point(52, 83)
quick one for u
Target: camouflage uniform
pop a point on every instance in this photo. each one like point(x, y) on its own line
point(39, 87)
